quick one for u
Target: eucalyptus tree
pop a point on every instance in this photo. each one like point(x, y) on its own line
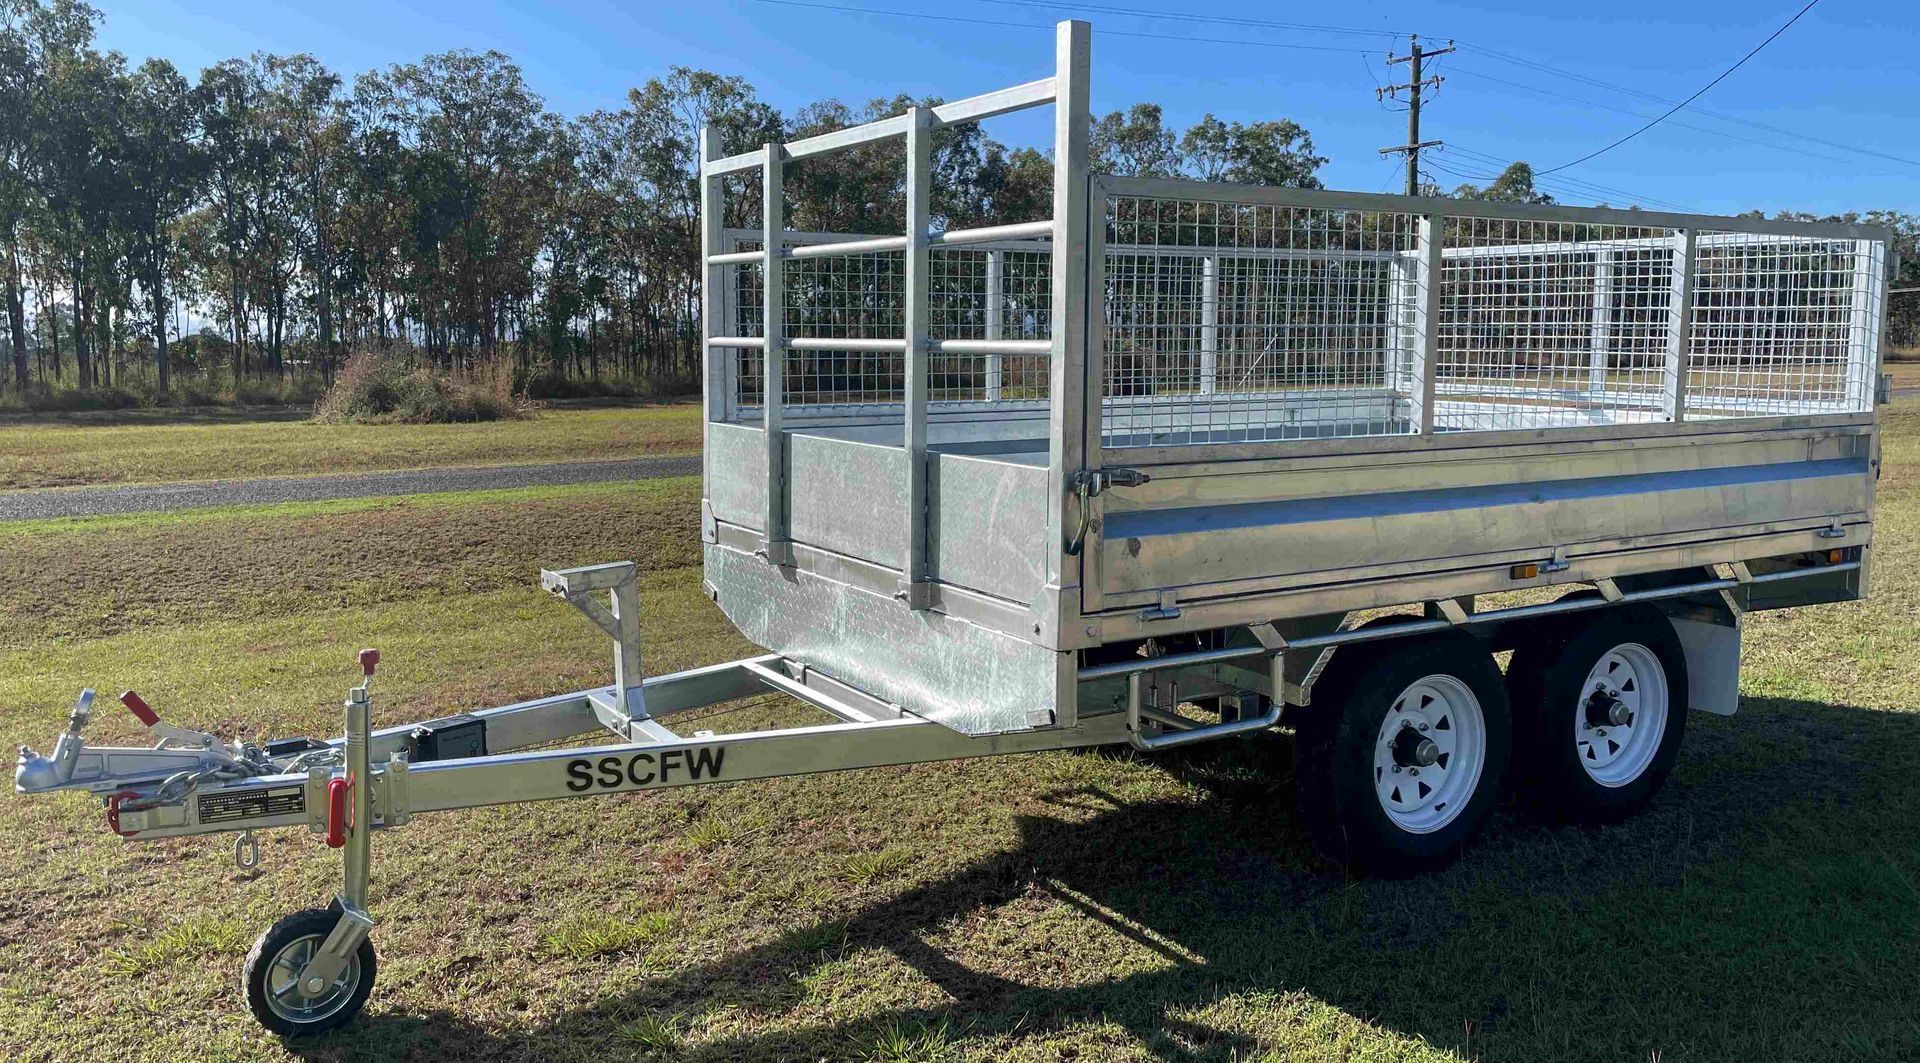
point(306, 128)
point(666, 115)
point(1278, 152)
point(229, 95)
point(79, 182)
point(1135, 143)
point(163, 171)
point(476, 134)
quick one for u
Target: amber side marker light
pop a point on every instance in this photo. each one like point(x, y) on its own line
point(1835, 556)
point(1529, 570)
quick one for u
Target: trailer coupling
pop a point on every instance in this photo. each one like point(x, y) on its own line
point(180, 761)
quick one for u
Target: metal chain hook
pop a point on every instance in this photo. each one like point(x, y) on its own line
point(246, 851)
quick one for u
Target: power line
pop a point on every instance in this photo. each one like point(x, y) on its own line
point(1224, 20)
point(1492, 53)
point(1566, 189)
point(1677, 125)
point(1035, 26)
point(1575, 183)
point(1142, 12)
point(1506, 57)
point(1702, 91)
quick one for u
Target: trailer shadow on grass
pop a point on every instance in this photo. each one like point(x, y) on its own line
point(1762, 909)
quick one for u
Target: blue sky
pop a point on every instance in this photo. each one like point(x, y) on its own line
point(1845, 74)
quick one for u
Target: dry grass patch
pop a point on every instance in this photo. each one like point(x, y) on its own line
point(69, 452)
point(134, 575)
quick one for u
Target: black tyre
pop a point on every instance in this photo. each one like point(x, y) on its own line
point(270, 977)
point(1402, 752)
point(1599, 714)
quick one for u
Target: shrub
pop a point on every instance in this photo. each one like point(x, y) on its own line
point(378, 387)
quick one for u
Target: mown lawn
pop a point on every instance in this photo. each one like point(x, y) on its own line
point(1052, 907)
point(154, 447)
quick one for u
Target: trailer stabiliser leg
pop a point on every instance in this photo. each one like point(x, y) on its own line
point(355, 924)
point(298, 982)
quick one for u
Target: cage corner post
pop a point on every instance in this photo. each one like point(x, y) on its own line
point(777, 546)
point(1424, 379)
point(1686, 263)
point(914, 588)
point(713, 374)
point(1072, 433)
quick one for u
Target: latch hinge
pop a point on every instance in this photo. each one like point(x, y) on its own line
point(1087, 483)
point(1090, 482)
point(1168, 609)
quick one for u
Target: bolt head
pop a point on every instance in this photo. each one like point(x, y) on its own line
point(1396, 769)
point(1423, 727)
point(315, 986)
point(1413, 771)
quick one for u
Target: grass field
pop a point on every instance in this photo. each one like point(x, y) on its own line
point(1052, 907)
point(155, 446)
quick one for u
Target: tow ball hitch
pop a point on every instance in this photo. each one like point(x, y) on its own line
point(181, 759)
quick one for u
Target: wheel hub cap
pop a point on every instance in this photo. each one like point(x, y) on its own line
point(289, 998)
point(1410, 750)
point(1605, 709)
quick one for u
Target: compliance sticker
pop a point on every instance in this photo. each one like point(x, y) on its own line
point(252, 804)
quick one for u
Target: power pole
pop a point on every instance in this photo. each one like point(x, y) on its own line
point(1414, 86)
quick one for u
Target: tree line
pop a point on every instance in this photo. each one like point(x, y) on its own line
point(438, 204)
point(441, 205)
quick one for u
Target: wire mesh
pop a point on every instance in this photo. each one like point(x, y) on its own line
point(1552, 323)
point(1238, 321)
point(963, 306)
point(864, 297)
point(1782, 325)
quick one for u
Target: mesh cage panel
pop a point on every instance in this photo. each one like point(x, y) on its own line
point(1233, 322)
point(1782, 325)
point(864, 296)
point(1548, 324)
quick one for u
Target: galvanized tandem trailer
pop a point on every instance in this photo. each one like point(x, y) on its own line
point(1183, 461)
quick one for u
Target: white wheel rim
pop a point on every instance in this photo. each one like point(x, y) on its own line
point(1419, 798)
point(283, 983)
point(1615, 754)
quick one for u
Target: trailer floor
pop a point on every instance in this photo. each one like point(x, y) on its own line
point(1061, 906)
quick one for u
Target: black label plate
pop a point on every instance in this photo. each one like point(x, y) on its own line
point(252, 804)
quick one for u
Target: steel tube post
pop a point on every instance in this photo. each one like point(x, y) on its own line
point(359, 765)
point(1686, 261)
point(913, 577)
point(628, 676)
point(1209, 324)
point(1426, 320)
point(1863, 331)
point(712, 279)
point(996, 308)
point(1072, 405)
point(776, 544)
point(1600, 327)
